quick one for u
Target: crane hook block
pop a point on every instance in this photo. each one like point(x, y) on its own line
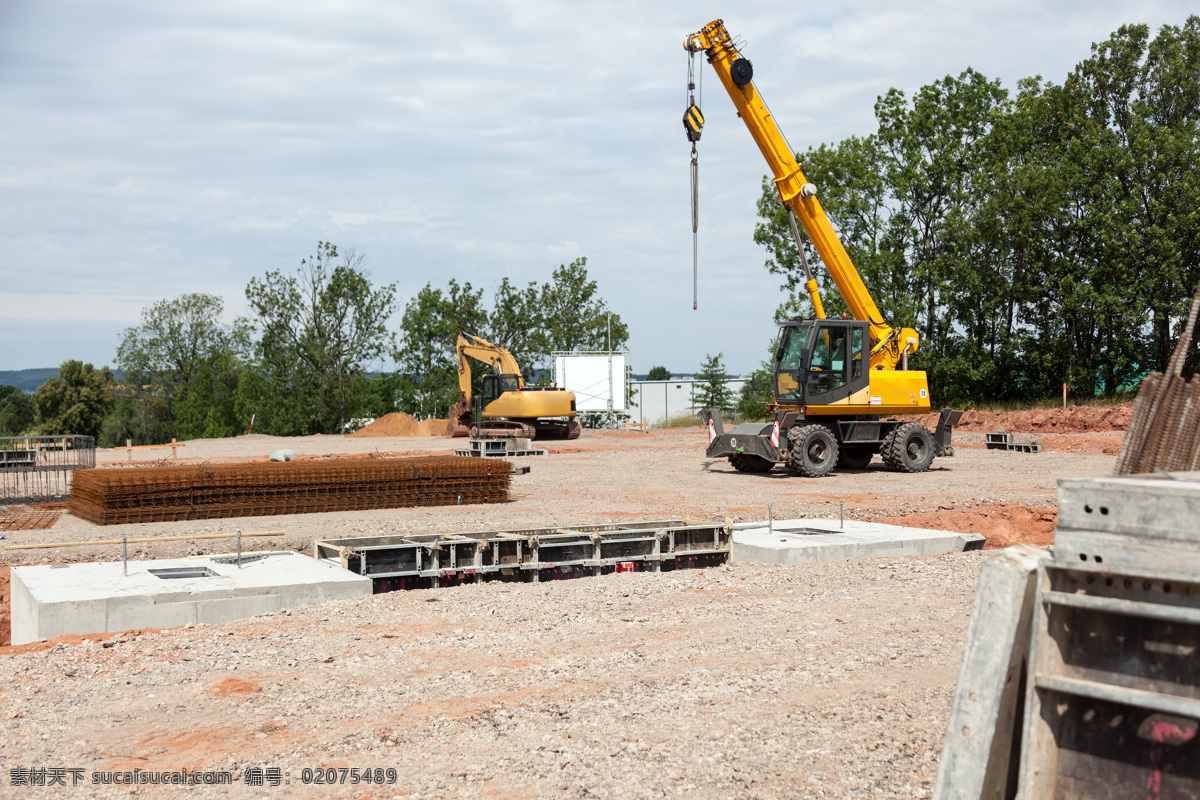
point(742, 71)
point(693, 122)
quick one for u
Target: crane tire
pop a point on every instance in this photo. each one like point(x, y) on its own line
point(814, 451)
point(851, 456)
point(748, 463)
point(909, 448)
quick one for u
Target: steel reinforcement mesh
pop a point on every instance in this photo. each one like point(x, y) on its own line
point(209, 491)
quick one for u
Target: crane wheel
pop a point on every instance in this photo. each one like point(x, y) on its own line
point(814, 451)
point(855, 456)
point(747, 463)
point(909, 448)
point(574, 428)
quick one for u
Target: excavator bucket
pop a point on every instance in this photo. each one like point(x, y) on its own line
point(454, 426)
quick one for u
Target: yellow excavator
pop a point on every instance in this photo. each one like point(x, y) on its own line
point(833, 379)
point(509, 407)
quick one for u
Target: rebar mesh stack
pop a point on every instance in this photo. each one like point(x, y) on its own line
point(1164, 431)
point(210, 491)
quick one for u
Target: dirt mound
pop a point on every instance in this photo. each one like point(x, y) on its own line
point(398, 424)
point(1003, 524)
point(1075, 419)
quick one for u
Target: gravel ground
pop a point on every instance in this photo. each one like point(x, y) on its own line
point(822, 680)
point(742, 681)
point(603, 476)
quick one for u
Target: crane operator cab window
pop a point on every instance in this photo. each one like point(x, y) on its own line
point(496, 385)
point(828, 368)
point(856, 353)
point(791, 353)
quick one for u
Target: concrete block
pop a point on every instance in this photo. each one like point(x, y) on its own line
point(799, 541)
point(1132, 524)
point(53, 600)
point(982, 750)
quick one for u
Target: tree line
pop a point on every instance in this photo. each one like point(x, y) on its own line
point(1038, 238)
point(308, 358)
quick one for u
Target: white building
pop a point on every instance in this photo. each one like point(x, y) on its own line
point(656, 401)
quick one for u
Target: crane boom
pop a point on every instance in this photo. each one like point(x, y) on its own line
point(888, 345)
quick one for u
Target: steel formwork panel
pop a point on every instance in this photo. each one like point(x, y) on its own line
point(530, 554)
point(34, 468)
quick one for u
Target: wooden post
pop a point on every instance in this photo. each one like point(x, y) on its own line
point(1064, 397)
point(129, 449)
point(174, 454)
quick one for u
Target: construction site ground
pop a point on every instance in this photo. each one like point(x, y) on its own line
point(821, 680)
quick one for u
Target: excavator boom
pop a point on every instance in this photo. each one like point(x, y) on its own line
point(501, 360)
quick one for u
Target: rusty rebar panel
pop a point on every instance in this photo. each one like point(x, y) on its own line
point(210, 491)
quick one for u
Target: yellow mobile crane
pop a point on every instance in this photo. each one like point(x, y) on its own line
point(510, 408)
point(833, 379)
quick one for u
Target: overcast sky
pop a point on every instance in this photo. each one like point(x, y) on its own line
point(149, 149)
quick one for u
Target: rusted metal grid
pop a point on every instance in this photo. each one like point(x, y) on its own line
point(1164, 431)
point(538, 554)
point(30, 518)
point(36, 468)
point(208, 491)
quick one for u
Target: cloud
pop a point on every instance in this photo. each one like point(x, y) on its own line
point(155, 148)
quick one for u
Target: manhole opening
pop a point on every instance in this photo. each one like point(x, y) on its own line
point(183, 572)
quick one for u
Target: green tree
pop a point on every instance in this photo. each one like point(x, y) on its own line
point(658, 374)
point(427, 358)
point(16, 411)
point(755, 394)
point(713, 391)
point(575, 317)
point(139, 414)
point(74, 402)
point(320, 328)
point(852, 181)
point(183, 364)
point(516, 324)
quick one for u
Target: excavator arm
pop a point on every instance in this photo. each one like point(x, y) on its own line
point(888, 345)
point(501, 360)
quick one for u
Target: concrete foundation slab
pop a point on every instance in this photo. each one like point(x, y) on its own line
point(52, 600)
point(798, 541)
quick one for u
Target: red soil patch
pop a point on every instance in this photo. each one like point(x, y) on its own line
point(1104, 445)
point(191, 749)
point(1075, 419)
point(398, 424)
point(1004, 524)
point(233, 686)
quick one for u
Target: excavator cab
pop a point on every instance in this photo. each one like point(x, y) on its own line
point(496, 385)
point(819, 362)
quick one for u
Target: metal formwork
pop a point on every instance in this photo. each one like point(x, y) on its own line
point(999, 440)
point(36, 468)
point(432, 559)
point(1113, 703)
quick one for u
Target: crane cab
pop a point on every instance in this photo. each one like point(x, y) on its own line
point(822, 367)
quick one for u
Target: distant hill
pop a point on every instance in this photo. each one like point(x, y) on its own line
point(27, 380)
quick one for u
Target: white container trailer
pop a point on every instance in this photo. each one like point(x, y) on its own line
point(595, 378)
